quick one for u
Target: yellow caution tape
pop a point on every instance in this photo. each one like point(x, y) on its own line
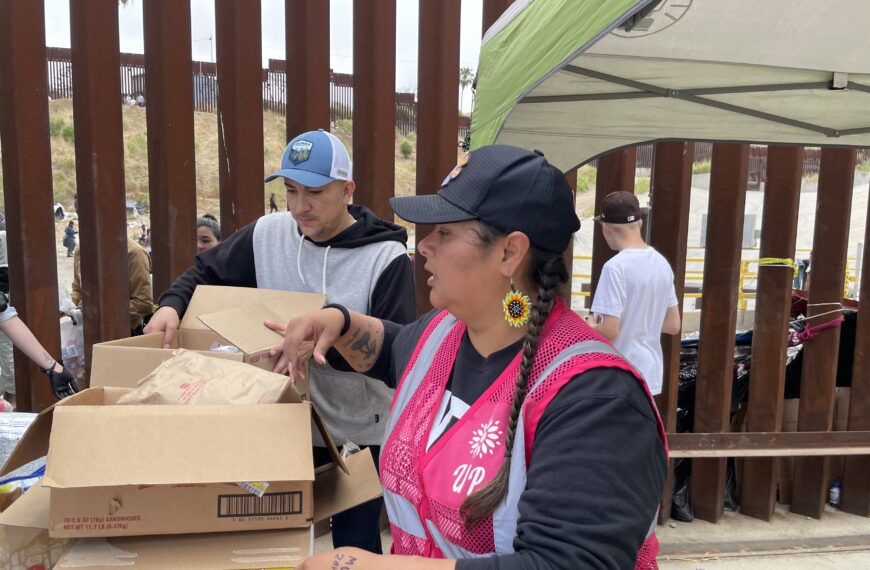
point(780, 261)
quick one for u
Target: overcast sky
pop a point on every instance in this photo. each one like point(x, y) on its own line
point(341, 33)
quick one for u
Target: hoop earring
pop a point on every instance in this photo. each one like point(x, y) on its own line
point(517, 307)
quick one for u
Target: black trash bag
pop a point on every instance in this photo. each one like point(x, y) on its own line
point(681, 507)
point(730, 485)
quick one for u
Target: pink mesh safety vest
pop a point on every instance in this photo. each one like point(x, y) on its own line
point(424, 489)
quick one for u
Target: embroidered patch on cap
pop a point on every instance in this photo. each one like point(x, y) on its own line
point(300, 151)
point(457, 170)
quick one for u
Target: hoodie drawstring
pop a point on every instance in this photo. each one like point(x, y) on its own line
point(299, 260)
point(323, 281)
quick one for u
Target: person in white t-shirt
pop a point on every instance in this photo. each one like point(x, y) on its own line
point(635, 301)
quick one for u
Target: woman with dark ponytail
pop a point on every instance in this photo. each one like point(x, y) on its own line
point(518, 437)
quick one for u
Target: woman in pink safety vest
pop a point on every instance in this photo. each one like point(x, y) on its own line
point(518, 437)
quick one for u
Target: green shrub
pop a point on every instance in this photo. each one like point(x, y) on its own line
point(68, 134)
point(586, 175)
point(641, 185)
point(56, 126)
point(701, 167)
point(406, 149)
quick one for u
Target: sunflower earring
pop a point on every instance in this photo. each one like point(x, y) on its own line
point(517, 307)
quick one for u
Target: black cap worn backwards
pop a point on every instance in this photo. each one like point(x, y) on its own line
point(507, 187)
point(619, 208)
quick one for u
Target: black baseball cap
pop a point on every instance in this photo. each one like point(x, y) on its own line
point(619, 208)
point(511, 188)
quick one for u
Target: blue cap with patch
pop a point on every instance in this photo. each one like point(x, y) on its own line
point(314, 159)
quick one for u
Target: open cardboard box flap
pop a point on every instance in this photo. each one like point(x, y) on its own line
point(336, 490)
point(109, 446)
point(243, 326)
point(30, 510)
point(284, 305)
point(34, 443)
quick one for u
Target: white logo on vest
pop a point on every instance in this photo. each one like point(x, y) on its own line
point(486, 438)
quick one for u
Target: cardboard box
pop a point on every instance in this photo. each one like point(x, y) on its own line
point(216, 314)
point(24, 542)
point(26, 523)
point(140, 470)
point(227, 551)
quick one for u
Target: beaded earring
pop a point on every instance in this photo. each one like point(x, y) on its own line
point(517, 307)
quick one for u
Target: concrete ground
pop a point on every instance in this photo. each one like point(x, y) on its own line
point(789, 541)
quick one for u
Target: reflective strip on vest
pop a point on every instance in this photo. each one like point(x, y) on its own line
point(404, 515)
point(449, 549)
point(418, 372)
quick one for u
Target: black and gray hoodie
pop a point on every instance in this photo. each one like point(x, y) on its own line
point(365, 268)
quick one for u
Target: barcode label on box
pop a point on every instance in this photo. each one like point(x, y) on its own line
point(248, 505)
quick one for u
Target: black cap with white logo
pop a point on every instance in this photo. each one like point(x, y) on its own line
point(619, 208)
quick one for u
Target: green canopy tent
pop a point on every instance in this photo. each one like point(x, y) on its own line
point(578, 78)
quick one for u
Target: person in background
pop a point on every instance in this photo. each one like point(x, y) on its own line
point(273, 206)
point(69, 238)
point(635, 301)
point(62, 382)
point(139, 273)
point(208, 232)
point(518, 438)
point(323, 244)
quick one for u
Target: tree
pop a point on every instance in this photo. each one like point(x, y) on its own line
point(466, 77)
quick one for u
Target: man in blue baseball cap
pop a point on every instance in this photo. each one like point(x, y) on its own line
point(324, 244)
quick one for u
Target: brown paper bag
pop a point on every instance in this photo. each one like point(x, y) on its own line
point(192, 378)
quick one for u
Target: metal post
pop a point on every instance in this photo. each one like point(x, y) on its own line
point(819, 374)
point(437, 115)
point(171, 162)
point(492, 9)
point(718, 319)
point(240, 112)
point(669, 221)
point(374, 108)
point(99, 146)
point(772, 313)
point(27, 189)
point(307, 40)
point(856, 483)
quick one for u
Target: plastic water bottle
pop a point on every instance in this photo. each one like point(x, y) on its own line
point(834, 494)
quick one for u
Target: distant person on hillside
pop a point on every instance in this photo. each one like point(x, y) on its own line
point(635, 301)
point(208, 232)
point(69, 238)
point(273, 207)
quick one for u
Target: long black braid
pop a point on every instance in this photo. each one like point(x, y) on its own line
point(548, 272)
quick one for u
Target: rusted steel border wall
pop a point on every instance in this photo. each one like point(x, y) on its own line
point(30, 74)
